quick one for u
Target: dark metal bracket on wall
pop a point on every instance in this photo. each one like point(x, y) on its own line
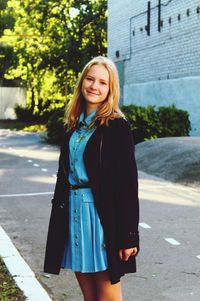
point(159, 15)
point(147, 13)
point(148, 27)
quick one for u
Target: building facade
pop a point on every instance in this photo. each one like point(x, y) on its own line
point(156, 47)
point(9, 98)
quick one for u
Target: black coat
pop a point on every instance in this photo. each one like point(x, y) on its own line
point(111, 168)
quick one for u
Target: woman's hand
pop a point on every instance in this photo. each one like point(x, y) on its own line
point(124, 254)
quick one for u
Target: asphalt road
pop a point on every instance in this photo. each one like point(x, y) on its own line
point(169, 260)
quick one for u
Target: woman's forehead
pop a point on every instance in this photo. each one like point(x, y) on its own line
point(99, 71)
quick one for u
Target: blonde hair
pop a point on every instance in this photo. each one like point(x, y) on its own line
point(109, 109)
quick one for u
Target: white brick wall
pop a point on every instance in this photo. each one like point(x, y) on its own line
point(173, 53)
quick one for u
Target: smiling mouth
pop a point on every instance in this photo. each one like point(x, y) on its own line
point(89, 92)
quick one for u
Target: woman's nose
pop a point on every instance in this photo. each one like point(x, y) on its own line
point(94, 85)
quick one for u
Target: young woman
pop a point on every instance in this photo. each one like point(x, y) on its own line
point(93, 227)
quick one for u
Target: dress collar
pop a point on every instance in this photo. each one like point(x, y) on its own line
point(86, 120)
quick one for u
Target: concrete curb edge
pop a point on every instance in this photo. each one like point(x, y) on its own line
point(20, 271)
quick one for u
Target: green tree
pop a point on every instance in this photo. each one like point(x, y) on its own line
point(53, 40)
point(6, 52)
point(6, 18)
point(7, 58)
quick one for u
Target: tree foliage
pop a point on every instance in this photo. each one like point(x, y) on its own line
point(6, 51)
point(6, 17)
point(52, 41)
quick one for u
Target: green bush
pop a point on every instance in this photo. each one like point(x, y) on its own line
point(151, 122)
point(55, 127)
point(174, 122)
point(146, 123)
point(25, 114)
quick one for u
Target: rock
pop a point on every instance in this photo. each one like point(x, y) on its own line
point(174, 159)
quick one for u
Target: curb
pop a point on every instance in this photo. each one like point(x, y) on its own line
point(20, 270)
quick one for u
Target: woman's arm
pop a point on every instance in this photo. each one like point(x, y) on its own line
point(126, 183)
point(61, 176)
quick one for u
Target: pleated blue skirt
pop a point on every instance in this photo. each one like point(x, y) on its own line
point(85, 249)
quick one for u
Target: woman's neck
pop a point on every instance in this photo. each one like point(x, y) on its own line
point(89, 110)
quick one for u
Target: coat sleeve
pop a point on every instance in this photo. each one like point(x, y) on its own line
point(126, 183)
point(58, 196)
point(58, 182)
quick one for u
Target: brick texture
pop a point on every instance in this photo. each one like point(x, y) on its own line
point(162, 68)
point(174, 52)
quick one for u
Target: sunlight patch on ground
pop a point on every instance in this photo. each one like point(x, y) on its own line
point(41, 179)
point(32, 154)
point(164, 195)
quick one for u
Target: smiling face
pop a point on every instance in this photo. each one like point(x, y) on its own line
point(95, 86)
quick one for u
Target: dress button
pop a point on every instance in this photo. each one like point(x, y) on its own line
point(75, 192)
point(75, 219)
point(76, 244)
point(75, 210)
point(76, 236)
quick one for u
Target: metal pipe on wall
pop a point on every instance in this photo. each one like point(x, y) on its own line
point(159, 15)
point(148, 18)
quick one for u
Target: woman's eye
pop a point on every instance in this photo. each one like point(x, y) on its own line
point(103, 83)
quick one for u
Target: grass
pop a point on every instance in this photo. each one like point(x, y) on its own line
point(8, 289)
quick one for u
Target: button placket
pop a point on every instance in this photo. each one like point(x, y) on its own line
point(75, 155)
point(73, 231)
point(77, 175)
point(79, 234)
point(75, 148)
point(76, 236)
point(75, 211)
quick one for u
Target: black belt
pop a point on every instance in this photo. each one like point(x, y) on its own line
point(73, 187)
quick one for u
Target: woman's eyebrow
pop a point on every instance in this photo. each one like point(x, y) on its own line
point(102, 79)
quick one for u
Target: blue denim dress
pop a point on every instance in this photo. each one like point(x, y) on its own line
point(85, 249)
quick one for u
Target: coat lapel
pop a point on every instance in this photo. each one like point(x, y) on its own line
point(91, 157)
point(64, 157)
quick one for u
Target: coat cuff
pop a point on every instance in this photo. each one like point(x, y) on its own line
point(130, 240)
